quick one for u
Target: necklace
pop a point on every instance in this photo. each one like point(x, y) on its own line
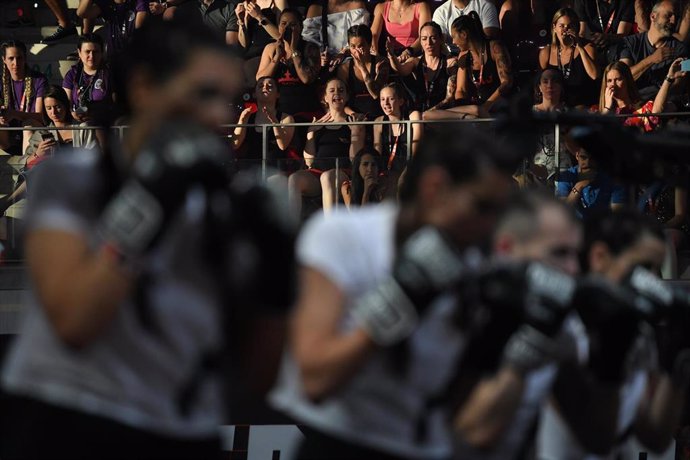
point(400, 11)
point(479, 80)
point(565, 69)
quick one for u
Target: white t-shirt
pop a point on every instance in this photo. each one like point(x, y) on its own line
point(556, 441)
point(133, 373)
point(378, 408)
point(447, 13)
point(338, 23)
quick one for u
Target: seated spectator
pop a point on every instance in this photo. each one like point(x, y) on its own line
point(401, 21)
point(43, 143)
point(21, 95)
point(484, 76)
point(218, 15)
point(549, 94)
point(427, 77)
point(89, 81)
point(258, 21)
point(573, 57)
point(367, 185)
point(667, 202)
point(605, 23)
point(324, 27)
point(650, 53)
point(619, 95)
point(450, 10)
point(391, 140)
point(590, 191)
point(365, 74)
point(278, 138)
point(330, 147)
point(523, 32)
point(121, 18)
point(294, 63)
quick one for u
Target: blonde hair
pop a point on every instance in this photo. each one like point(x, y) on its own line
point(569, 12)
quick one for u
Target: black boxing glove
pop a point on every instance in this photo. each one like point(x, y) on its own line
point(521, 308)
point(612, 316)
point(178, 156)
point(426, 265)
point(548, 301)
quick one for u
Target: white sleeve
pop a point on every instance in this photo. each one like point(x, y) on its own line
point(439, 18)
point(488, 15)
point(311, 31)
point(324, 245)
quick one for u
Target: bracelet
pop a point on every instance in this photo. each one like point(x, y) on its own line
point(165, 5)
point(670, 80)
point(574, 190)
point(608, 108)
point(296, 54)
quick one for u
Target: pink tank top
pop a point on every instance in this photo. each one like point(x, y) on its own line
point(403, 35)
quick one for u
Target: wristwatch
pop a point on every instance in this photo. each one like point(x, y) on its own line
point(263, 22)
point(296, 54)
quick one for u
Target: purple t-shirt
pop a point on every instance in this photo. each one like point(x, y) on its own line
point(119, 18)
point(88, 88)
point(39, 83)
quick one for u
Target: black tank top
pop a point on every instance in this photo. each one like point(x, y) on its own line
point(430, 89)
point(331, 144)
point(295, 96)
point(483, 82)
point(253, 142)
point(579, 88)
point(361, 101)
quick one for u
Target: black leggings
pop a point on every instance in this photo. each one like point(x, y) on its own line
point(30, 429)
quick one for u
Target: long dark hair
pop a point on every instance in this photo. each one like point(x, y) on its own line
point(58, 93)
point(358, 180)
point(472, 24)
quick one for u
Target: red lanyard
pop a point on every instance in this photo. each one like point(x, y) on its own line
point(601, 22)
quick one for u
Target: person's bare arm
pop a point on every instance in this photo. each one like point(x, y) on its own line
point(661, 54)
point(588, 54)
point(376, 27)
point(417, 131)
point(88, 10)
point(240, 132)
point(284, 134)
point(544, 56)
point(231, 37)
point(326, 357)
point(269, 60)
point(79, 289)
point(658, 417)
point(490, 408)
point(140, 18)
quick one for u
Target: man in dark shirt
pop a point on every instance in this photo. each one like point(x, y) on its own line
point(649, 54)
point(606, 22)
point(218, 15)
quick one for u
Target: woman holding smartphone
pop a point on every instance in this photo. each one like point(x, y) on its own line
point(43, 143)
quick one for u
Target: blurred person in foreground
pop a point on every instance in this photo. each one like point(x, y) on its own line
point(512, 382)
point(134, 310)
point(369, 346)
point(636, 375)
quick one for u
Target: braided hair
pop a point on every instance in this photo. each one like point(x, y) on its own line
point(7, 90)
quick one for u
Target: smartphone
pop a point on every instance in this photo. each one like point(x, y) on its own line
point(47, 137)
point(685, 65)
